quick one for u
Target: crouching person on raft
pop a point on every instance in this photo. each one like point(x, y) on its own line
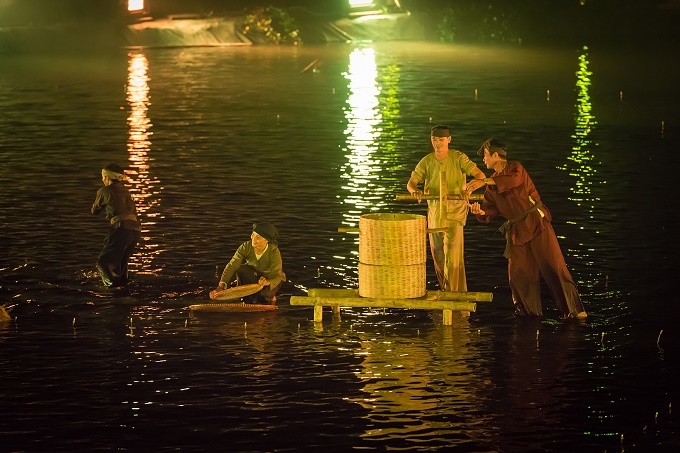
point(256, 261)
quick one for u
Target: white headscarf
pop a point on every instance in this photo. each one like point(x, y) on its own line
point(113, 175)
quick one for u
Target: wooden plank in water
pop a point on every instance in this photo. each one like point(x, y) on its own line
point(235, 308)
point(430, 295)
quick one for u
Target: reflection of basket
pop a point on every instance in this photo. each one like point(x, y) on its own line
point(392, 255)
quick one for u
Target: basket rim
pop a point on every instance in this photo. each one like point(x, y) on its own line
point(401, 216)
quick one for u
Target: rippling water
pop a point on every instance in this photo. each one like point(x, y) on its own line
point(217, 138)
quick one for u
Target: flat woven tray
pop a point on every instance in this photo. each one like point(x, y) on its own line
point(235, 292)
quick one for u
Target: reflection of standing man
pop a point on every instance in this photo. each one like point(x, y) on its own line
point(532, 249)
point(447, 248)
point(119, 245)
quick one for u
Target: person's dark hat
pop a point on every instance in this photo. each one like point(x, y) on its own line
point(114, 168)
point(266, 230)
point(440, 131)
point(494, 146)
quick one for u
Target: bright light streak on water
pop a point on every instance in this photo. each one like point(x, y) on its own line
point(363, 136)
point(582, 154)
point(581, 167)
point(144, 188)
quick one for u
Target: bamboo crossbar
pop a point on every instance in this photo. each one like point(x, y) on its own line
point(333, 293)
point(408, 196)
point(420, 304)
point(446, 306)
point(447, 301)
point(357, 230)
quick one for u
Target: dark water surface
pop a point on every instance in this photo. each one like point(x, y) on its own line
point(216, 138)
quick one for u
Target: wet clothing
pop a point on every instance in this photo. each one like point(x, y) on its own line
point(447, 248)
point(533, 250)
point(123, 236)
point(248, 268)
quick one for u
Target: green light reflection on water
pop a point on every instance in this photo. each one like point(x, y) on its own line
point(371, 136)
point(581, 162)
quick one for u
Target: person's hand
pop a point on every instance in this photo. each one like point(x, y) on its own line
point(473, 185)
point(216, 291)
point(418, 195)
point(476, 209)
point(263, 281)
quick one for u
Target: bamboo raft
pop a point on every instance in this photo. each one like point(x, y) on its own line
point(392, 257)
point(446, 301)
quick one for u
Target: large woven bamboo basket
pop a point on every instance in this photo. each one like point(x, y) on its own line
point(392, 255)
point(386, 239)
point(392, 282)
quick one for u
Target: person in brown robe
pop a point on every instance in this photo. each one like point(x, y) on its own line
point(532, 248)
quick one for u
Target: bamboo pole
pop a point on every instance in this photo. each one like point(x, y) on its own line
point(318, 312)
point(420, 304)
point(443, 196)
point(357, 230)
point(447, 317)
point(330, 293)
point(408, 196)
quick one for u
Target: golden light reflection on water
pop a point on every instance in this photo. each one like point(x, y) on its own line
point(370, 117)
point(406, 378)
point(144, 186)
point(363, 134)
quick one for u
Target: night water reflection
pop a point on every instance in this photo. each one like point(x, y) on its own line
point(371, 140)
point(580, 164)
point(142, 370)
point(584, 170)
point(145, 187)
point(413, 388)
point(360, 173)
point(363, 117)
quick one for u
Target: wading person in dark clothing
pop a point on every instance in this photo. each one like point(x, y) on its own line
point(532, 249)
point(256, 261)
point(125, 231)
